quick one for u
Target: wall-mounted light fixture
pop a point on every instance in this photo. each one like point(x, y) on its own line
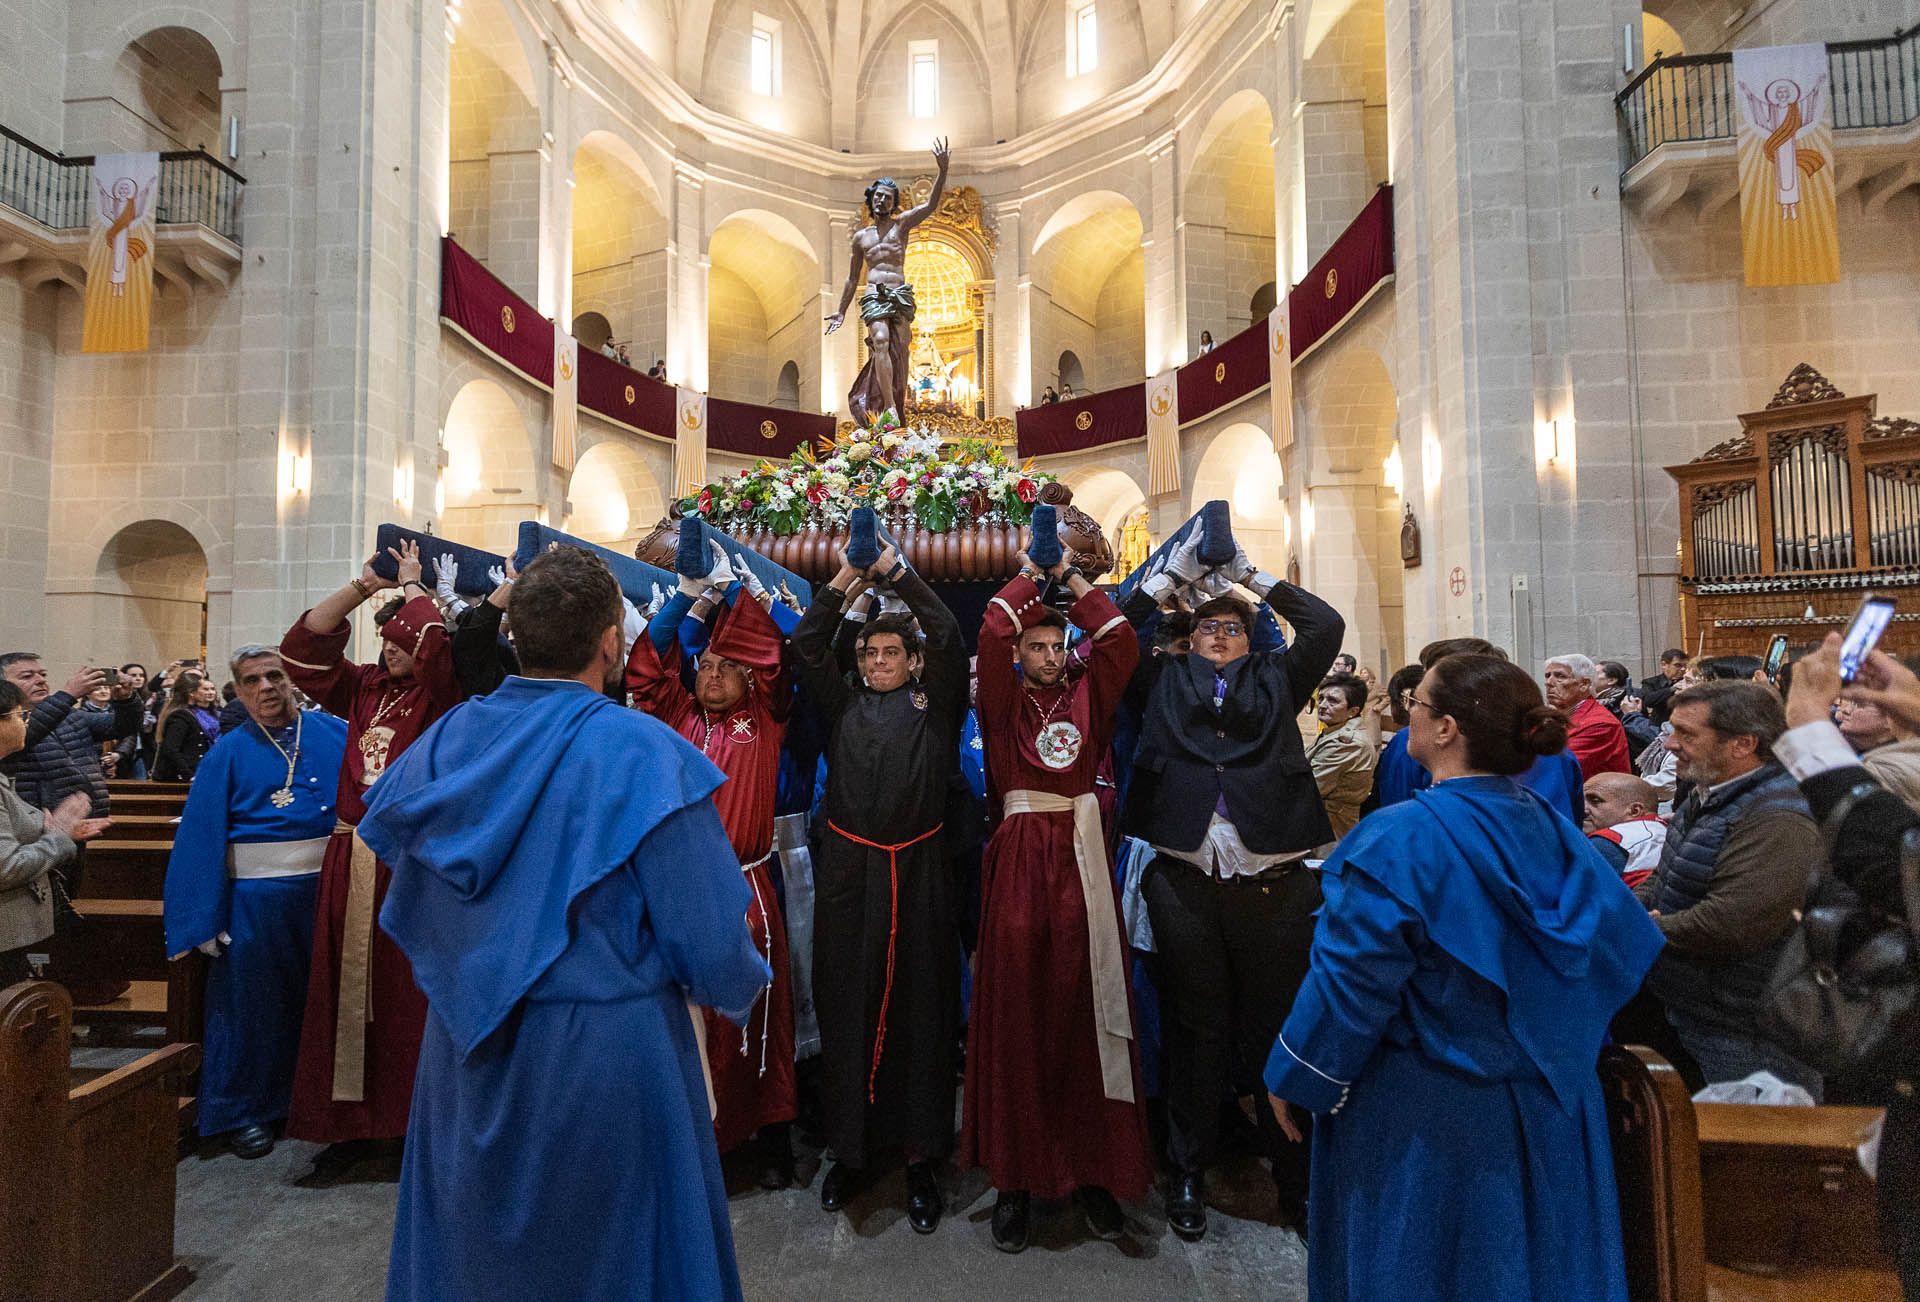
point(296, 473)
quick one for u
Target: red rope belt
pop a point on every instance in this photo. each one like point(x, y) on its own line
point(893, 930)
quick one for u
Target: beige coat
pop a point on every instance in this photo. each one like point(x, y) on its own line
point(1342, 761)
point(1896, 766)
point(28, 849)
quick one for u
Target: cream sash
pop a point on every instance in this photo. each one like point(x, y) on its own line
point(353, 1011)
point(276, 858)
point(1113, 1020)
point(700, 1046)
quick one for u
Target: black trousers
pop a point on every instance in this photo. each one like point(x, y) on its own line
point(1231, 956)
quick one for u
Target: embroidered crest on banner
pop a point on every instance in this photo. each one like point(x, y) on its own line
point(1058, 745)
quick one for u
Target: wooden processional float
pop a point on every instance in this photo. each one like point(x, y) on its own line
point(986, 549)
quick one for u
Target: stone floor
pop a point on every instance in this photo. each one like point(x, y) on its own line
point(250, 1231)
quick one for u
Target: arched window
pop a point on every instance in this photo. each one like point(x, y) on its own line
point(786, 390)
point(592, 330)
point(1265, 299)
point(1073, 378)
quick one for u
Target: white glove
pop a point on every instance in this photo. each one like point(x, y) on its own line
point(1184, 562)
point(659, 600)
point(446, 571)
point(755, 589)
point(632, 623)
point(496, 575)
point(722, 572)
point(891, 603)
point(1210, 585)
point(1158, 584)
point(1244, 571)
point(214, 946)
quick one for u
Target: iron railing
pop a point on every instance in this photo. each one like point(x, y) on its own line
point(1874, 83)
point(195, 188)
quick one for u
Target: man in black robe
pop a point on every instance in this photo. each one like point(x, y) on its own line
point(886, 976)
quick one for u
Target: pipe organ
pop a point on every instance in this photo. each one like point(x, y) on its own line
point(1782, 527)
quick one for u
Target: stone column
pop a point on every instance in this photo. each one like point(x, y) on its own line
point(1014, 383)
point(1165, 295)
point(686, 279)
point(1510, 312)
point(839, 351)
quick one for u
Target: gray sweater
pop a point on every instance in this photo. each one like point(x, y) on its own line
point(28, 851)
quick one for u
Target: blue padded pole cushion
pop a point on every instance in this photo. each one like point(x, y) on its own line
point(635, 577)
point(863, 548)
point(693, 558)
point(473, 563)
point(1216, 534)
point(1045, 550)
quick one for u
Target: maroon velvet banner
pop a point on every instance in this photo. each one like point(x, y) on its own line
point(493, 316)
point(755, 431)
point(1360, 259)
point(625, 394)
point(1227, 374)
point(1113, 416)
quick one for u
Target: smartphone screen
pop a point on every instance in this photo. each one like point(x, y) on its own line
point(1776, 656)
point(1863, 633)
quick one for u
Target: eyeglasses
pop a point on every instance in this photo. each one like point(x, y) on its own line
point(1413, 700)
point(1220, 627)
point(21, 714)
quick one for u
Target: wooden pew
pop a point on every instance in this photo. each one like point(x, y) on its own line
point(86, 1172)
point(1725, 1202)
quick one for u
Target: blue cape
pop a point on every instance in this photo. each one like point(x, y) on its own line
point(503, 813)
point(1565, 941)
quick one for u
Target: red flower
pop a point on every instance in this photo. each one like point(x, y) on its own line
point(896, 490)
point(1026, 490)
point(817, 493)
point(705, 504)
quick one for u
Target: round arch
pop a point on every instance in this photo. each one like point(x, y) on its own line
point(489, 484)
point(1228, 203)
point(615, 498)
point(1107, 494)
point(1088, 261)
point(763, 278)
point(150, 593)
point(203, 23)
point(1240, 467)
point(173, 74)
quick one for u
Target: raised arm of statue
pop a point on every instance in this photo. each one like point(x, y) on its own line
point(912, 217)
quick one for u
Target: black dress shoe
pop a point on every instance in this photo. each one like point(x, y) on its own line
point(333, 1162)
point(1102, 1212)
point(923, 1198)
point(838, 1186)
point(775, 1153)
point(1011, 1220)
point(251, 1141)
point(1187, 1206)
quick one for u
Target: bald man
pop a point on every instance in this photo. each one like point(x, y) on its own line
point(1623, 823)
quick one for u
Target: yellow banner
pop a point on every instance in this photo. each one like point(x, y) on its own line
point(119, 295)
point(689, 442)
point(1788, 226)
point(1280, 373)
point(1163, 434)
point(566, 397)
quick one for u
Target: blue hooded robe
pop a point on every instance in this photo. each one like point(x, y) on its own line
point(1470, 952)
point(564, 890)
point(257, 989)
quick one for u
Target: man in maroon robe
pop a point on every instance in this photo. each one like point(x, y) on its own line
point(360, 1038)
point(737, 716)
point(1053, 1100)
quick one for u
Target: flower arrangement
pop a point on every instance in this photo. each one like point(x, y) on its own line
point(885, 466)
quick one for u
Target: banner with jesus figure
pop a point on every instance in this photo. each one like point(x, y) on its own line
point(119, 294)
point(1788, 228)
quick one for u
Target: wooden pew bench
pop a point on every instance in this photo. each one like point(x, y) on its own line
point(86, 1172)
point(1724, 1202)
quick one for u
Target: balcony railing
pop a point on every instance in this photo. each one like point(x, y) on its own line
point(195, 188)
point(1874, 83)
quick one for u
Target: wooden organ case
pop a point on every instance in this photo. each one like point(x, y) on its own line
point(1783, 527)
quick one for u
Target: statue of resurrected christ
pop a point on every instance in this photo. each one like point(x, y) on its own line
point(887, 307)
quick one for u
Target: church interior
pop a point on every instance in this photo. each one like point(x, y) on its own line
point(1448, 301)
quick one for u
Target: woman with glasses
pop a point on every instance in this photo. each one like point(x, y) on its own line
point(1470, 952)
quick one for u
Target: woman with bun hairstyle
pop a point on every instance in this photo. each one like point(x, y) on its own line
point(1469, 954)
